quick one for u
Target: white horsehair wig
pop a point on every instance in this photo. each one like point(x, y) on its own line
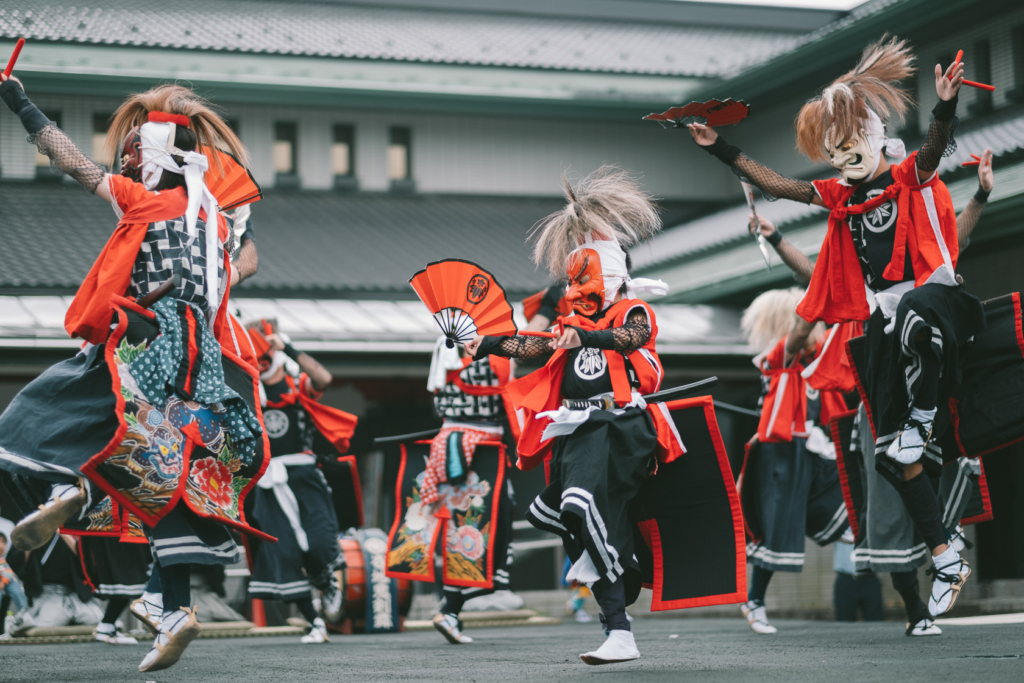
point(875, 83)
point(609, 203)
point(770, 317)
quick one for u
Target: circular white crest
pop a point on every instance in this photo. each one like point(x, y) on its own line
point(590, 364)
point(276, 423)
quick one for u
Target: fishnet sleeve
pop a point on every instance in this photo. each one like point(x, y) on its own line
point(526, 348)
point(65, 157)
point(246, 260)
point(938, 143)
point(966, 221)
point(773, 185)
point(633, 334)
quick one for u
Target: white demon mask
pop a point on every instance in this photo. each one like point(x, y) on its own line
point(857, 159)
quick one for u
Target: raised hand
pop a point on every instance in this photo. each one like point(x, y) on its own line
point(985, 177)
point(947, 84)
point(702, 135)
point(761, 225)
point(472, 345)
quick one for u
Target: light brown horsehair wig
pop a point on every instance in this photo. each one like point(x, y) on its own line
point(209, 128)
point(609, 203)
point(770, 317)
point(839, 110)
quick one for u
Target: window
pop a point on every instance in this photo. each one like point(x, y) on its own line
point(1017, 36)
point(42, 161)
point(400, 159)
point(100, 126)
point(982, 72)
point(343, 157)
point(286, 139)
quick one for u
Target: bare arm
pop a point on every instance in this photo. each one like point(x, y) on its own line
point(65, 157)
point(794, 259)
point(797, 339)
point(968, 218)
point(318, 375)
point(770, 182)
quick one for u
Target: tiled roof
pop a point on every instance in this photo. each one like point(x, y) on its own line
point(1004, 133)
point(398, 34)
point(319, 242)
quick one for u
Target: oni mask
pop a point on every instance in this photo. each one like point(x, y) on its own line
point(586, 282)
point(131, 155)
point(857, 158)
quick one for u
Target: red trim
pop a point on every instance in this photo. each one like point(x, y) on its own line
point(164, 117)
point(740, 480)
point(844, 482)
point(85, 572)
point(193, 350)
point(499, 481)
point(657, 603)
point(398, 522)
point(90, 468)
point(986, 500)
point(1017, 322)
point(860, 388)
point(357, 485)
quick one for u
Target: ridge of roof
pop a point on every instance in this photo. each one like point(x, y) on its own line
point(358, 32)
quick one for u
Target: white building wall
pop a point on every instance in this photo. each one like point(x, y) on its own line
point(452, 154)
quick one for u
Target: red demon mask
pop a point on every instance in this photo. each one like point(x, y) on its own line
point(586, 282)
point(131, 155)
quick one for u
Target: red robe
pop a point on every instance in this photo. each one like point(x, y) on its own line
point(541, 390)
point(337, 426)
point(925, 225)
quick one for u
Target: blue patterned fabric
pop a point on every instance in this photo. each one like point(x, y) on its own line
point(156, 371)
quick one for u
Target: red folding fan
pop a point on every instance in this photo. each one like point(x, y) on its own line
point(231, 184)
point(465, 300)
point(711, 113)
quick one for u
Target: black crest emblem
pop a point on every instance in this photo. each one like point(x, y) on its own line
point(477, 289)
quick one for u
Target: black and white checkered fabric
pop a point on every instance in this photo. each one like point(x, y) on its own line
point(165, 249)
point(453, 403)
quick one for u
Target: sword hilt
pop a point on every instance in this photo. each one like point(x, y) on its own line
point(601, 403)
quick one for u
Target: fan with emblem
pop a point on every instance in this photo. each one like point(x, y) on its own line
point(465, 300)
point(231, 183)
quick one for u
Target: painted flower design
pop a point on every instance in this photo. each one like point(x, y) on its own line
point(416, 517)
point(467, 541)
point(462, 497)
point(214, 479)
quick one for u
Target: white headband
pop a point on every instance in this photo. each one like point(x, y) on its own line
point(613, 267)
point(157, 150)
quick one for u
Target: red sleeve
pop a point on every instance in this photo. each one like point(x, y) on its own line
point(830, 191)
point(126, 193)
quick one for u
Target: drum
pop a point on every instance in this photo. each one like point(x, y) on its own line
point(352, 582)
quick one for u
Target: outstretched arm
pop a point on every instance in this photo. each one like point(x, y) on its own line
point(968, 218)
point(795, 259)
point(520, 347)
point(51, 141)
point(939, 140)
point(768, 181)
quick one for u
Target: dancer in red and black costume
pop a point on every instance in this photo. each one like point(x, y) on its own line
point(598, 458)
point(468, 398)
point(158, 411)
point(887, 540)
point(293, 501)
point(790, 487)
point(892, 240)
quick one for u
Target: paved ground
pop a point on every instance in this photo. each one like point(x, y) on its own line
point(705, 650)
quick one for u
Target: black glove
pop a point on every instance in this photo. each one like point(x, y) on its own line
point(490, 346)
point(18, 102)
point(721, 148)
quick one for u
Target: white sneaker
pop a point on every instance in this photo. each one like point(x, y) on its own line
point(949, 579)
point(757, 617)
point(451, 629)
point(582, 616)
point(619, 646)
point(148, 609)
point(113, 635)
point(318, 634)
point(925, 627)
point(910, 441)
